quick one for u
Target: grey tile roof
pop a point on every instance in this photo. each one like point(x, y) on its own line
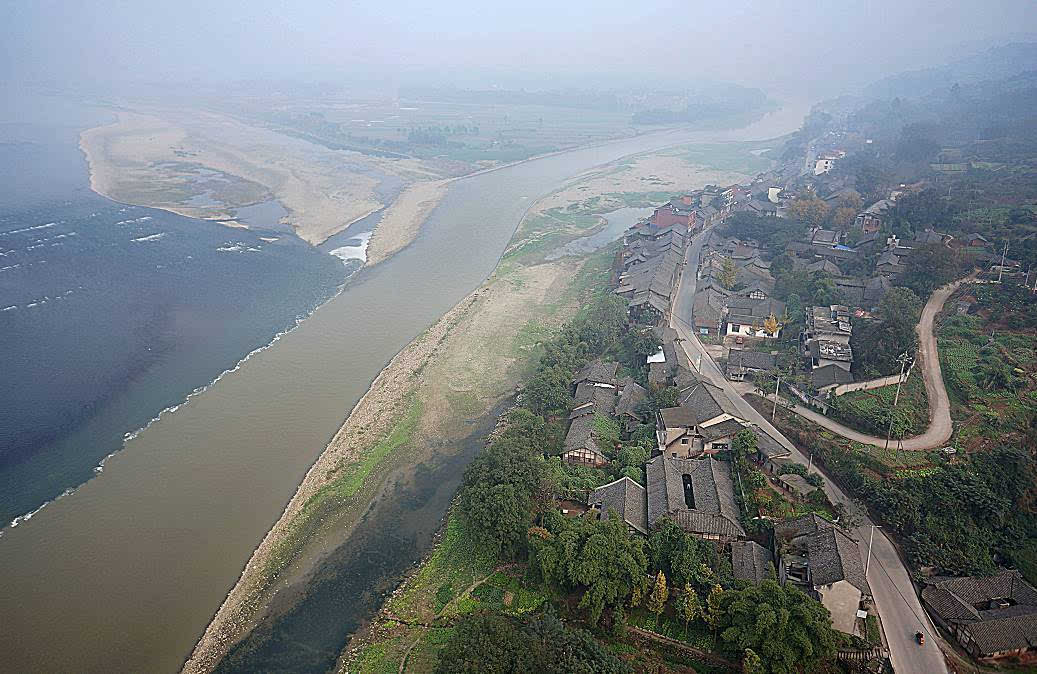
point(631, 397)
point(787, 530)
point(722, 430)
point(712, 492)
point(1005, 634)
point(750, 561)
point(797, 483)
point(602, 399)
point(966, 601)
point(750, 360)
point(597, 371)
point(828, 375)
point(767, 445)
point(701, 402)
point(834, 556)
point(581, 434)
point(627, 498)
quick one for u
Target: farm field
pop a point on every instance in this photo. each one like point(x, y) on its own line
point(989, 361)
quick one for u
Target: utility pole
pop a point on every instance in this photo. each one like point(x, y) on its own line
point(774, 410)
point(896, 398)
point(871, 538)
point(1001, 271)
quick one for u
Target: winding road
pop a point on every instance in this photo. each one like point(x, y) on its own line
point(940, 425)
point(894, 593)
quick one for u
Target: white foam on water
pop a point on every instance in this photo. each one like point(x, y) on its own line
point(28, 229)
point(11, 307)
point(149, 237)
point(358, 252)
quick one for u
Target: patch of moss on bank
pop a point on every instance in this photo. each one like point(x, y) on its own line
point(341, 491)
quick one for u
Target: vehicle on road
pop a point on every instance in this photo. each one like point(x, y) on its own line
point(920, 638)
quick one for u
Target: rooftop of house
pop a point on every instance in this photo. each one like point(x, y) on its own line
point(751, 561)
point(597, 372)
point(828, 349)
point(833, 320)
point(591, 398)
point(700, 402)
point(825, 236)
point(581, 435)
point(1000, 611)
point(625, 497)
point(879, 207)
point(797, 483)
point(706, 507)
point(631, 396)
point(747, 306)
point(787, 530)
point(833, 556)
point(829, 375)
point(752, 360)
point(767, 445)
point(825, 266)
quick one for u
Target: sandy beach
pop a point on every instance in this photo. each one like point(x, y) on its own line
point(403, 219)
point(205, 165)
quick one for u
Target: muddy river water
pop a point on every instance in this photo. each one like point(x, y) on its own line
point(124, 574)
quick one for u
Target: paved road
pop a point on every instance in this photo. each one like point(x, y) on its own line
point(940, 425)
point(898, 605)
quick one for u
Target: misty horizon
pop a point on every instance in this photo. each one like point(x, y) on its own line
point(799, 51)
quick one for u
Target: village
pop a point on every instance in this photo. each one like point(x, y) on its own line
point(707, 455)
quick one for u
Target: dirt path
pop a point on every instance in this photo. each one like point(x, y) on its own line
point(940, 425)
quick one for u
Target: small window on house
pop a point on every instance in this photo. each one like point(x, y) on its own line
point(673, 454)
point(684, 441)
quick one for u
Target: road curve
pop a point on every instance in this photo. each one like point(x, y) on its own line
point(894, 593)
point(940, 425)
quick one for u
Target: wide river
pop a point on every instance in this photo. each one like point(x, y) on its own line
point(125, 574)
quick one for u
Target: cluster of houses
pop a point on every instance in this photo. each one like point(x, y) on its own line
point(653, 253)
point(685, 481)
point(598, 393)
point(733, 291)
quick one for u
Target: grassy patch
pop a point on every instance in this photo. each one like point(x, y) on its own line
point(696, 634)
point(869, 411)
point(454, 565)
point(378, 658)
point(341, 491)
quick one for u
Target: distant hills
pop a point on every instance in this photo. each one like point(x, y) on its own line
point(998, 62)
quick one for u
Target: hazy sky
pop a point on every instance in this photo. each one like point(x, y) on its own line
point(788, 44)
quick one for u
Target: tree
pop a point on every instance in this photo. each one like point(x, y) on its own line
point(713, 615)
point(687, 605)
point(503, 487)
point(751, 663)
point(728, 273)
point(787, 630)
point(491, 642)
point(809, 209)
point(681, 556)
point(929, 267)
point(878, 343)
point(596, 556)
point(844, 216)
point(771, 325)
point(745, 443)
point(660, 593)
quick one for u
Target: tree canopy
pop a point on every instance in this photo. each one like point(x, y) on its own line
point(788, 630)
point(595, 556)
point(499, 644)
